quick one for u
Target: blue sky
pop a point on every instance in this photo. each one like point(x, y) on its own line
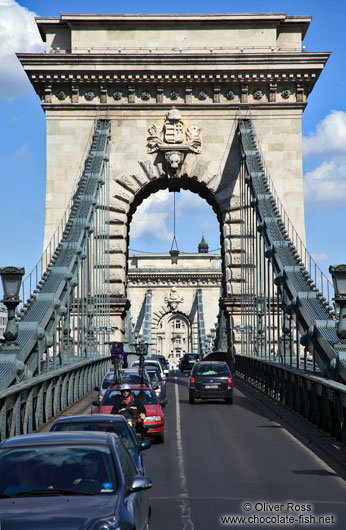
point(22, 146)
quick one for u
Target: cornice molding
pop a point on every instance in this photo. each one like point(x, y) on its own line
point(168, 279)
point(43, 76)
point(270, 60)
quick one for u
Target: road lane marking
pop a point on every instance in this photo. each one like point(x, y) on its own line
point(184, 502)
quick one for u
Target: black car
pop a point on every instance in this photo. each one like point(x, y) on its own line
point(106, 423)
point(188, 360)
point(211, 380)
point(164, 362)
point(71, 481)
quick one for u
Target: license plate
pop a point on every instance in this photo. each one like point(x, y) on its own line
point(211, 386)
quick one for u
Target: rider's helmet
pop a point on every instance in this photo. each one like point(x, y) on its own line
point(125, 386)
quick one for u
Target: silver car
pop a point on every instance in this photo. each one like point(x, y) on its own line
point(71, 480)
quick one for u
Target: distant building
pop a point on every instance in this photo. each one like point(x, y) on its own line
point(175, 300)
point(3, 320)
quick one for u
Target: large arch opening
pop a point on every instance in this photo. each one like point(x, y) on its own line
point(175, 295)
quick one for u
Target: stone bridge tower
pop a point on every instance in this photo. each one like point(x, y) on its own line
point(173, 87)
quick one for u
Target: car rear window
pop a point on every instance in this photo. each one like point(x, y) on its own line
point(147, 396)
point(110, 426)
point(108, 381)
point(208, 369)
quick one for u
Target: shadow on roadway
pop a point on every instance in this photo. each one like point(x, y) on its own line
point(319, 472)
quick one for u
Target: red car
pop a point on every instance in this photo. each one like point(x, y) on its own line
point(155, 418)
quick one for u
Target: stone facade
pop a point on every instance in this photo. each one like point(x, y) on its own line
point(213, 69)
point(174, 282)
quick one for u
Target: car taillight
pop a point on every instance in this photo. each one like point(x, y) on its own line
point(230, 382)
point(192, 381)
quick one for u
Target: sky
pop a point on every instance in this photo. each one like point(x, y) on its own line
point(22, 146)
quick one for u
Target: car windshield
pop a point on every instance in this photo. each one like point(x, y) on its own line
point(191, 356)
point(57, 469)
point(147, 396)
point(118, 427)
point(210, 369)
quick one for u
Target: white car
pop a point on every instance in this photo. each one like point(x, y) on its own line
point(152, 362)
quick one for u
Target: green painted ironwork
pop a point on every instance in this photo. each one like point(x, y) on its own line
point(28, 405)
point(321, 401)
point(66, 317)
point(285, 315)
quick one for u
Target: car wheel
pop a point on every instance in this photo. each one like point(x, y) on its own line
point(161, 438)
point(191, 400)
point(229, 401)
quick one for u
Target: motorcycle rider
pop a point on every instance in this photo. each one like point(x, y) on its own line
point(131, 408)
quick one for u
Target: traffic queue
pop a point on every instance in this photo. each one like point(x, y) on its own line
point(88, 472)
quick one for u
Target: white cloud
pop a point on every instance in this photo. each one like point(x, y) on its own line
point(152, 216)
point(18, 34)
point(150, 219)
point(325, 186)
point(20, 153)
point(329, 138)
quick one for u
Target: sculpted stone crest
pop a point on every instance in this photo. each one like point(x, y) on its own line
point(174, 138)
point(173, 299)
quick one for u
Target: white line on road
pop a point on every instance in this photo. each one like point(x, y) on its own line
point(184, 502)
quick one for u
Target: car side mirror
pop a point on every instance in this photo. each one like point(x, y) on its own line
point(96, 403)
point(97, 388)
point(140, 483)
point(163, 402)
point(156, 387)
point(146, 444)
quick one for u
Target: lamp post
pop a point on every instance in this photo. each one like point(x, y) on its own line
point(260, 339)
point(11, 280)
point(338, 273)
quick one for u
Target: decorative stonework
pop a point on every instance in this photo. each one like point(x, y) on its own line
point(174, 94)
point(286, 93)
point(117, 95)
point(89, 95)
point(174, 138)
point(202, 95)
point(145, 95)
point(61, 95)
point(258, 94)
point(230, 94)
point(173, 299)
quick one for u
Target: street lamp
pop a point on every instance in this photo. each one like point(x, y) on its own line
point(338, 273)
point(11, 280)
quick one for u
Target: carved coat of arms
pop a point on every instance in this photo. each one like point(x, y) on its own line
point(173, 299)
point(174, 138)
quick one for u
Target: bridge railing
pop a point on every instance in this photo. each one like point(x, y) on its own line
point(321, 401)
point(25, 407)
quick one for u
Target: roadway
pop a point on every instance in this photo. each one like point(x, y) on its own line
point(218, 457)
